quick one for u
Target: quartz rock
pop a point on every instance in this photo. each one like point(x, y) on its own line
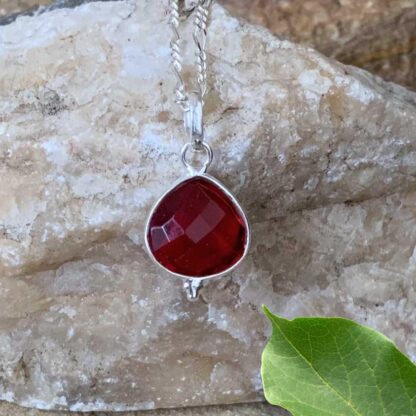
point(9, 7)
point(378, 35)
point(389, 50)
point(322, 156)
point(255, 409)
point(328, 23)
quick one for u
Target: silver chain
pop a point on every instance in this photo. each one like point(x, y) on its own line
point(201, 15)
point(192, 102)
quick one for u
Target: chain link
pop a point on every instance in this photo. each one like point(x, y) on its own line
point(201, 15)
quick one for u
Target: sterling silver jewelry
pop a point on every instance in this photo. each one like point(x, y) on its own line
point(197, 230)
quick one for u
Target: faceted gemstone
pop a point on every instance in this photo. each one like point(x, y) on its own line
point(197, 230)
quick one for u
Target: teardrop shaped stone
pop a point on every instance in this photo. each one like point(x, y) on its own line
point(197, 230)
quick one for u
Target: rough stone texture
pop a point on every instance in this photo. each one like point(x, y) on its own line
point(15, 6)
point(325, 23)
point(378, 35)
point(236, 410)
point(389, 50)
point(322, 156)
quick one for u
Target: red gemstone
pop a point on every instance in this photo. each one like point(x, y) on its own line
point(197, 230)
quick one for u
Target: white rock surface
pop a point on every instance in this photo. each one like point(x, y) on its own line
point(254, 409)
point(322, 156)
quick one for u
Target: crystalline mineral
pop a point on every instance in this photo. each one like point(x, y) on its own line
point(321, 156)
point(378, 35)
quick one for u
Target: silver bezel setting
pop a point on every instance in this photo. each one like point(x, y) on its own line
point(234, 201)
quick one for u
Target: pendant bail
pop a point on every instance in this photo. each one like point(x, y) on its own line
point(194, 127)
point(194, 121)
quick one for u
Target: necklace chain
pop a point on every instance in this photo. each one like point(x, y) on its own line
point(192, 103)
point(201, 9)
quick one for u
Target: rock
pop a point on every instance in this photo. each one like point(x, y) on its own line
point(236, 410)
point(8, 7)
point(321, 155)
point(378, 35)
point(388, 50)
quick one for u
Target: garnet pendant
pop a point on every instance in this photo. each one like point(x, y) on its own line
point(197, 230)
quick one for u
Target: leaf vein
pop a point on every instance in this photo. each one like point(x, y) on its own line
point(326, 383)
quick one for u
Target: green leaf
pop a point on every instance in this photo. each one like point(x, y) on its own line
point(335, 367)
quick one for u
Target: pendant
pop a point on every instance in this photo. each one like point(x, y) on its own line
point(197, 230)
